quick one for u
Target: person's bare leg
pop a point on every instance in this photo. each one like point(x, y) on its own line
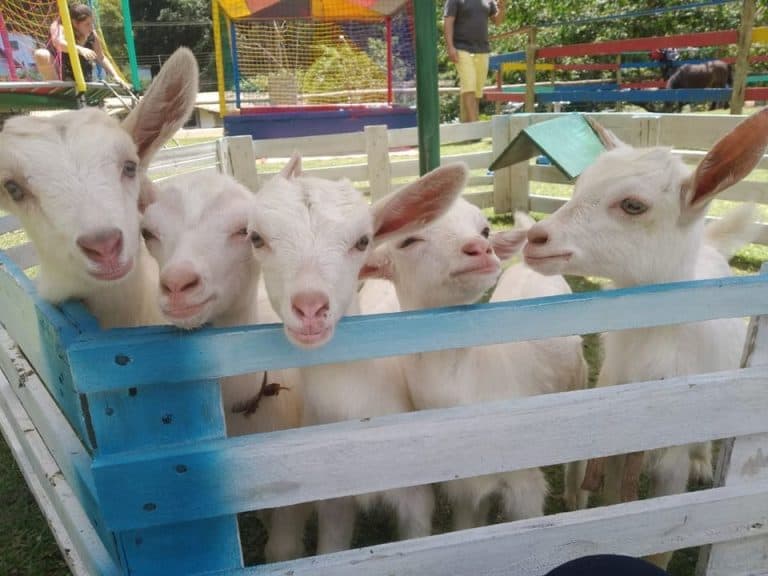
point(44, 62)
point(470, 106)
point(462, 110)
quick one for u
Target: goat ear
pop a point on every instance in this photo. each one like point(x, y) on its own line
point(420, 203)
point(293, 168)
point(730, 159)
point(147, 194)
point(166, 105)
point(608, 138)
point(507, 243)
point(377, 265)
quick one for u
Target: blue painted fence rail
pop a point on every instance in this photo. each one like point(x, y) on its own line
point(124, 358)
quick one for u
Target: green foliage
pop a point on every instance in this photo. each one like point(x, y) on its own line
point(342, 67)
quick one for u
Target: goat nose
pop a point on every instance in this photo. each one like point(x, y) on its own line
point(537, 235)
point(178, 280)
point(477, 247)
point(310, 305)
point(102, 245)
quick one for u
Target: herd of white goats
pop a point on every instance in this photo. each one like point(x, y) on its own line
point(195, 250)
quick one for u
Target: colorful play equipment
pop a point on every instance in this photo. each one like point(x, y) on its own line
point(629, 70)
point(314, 66)
point(24, 27)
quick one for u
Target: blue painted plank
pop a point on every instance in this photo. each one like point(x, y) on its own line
point(59, 438)
point(147, 417)
point(497, 60)
point(281, 468)
point(181, 548)
point(661, 95)
point(139, 358)
point(43, 333)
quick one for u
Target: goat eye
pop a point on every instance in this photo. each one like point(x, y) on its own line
point(257, 240)
point(410, 240)
point(632, 206)
point(241, 232)
point(129, 169)
point(14, 189)
point(147, 235)
point(362, 243)
point(486, 232)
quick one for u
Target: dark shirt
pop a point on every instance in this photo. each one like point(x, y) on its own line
point(66, 66)
point(470, 27)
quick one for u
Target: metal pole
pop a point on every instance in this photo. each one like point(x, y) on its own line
point(219, 57)
point(7, 49)
point(235, 63)
point(388, 22)
point(427, 99)
point(74, 59)
point(130, 45)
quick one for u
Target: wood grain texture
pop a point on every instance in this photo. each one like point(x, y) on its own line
point(533, 547)
point(157, 356)
point(43, 333)
point(83, 549)
point(354, 457)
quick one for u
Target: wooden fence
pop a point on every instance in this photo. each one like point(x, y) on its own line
point(121, 437)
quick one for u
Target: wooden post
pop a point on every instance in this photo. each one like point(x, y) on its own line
point(510, 185)
point(619, 104)
point(236, 158)
point(741, 68)
point(742, 461)
point(379, 168)
point(530, 72)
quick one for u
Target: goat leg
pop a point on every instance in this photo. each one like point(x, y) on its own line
point(593, 475)
point(630, 482)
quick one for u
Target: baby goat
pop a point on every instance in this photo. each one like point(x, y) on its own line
point(311, 237)
point(454, 262)
point(195, 226)
point(637, 217)
point(74, 180)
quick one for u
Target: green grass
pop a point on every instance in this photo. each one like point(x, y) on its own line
point(27, 547)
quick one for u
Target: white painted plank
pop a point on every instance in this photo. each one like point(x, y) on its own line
point(379, 168)
point(9, 223)
point(450, 133)
point(354, 172)
point(695, 132)
point(429, 446)
point(743, 461)
point(319, 145)
point(533, 547)
point(24, 255)
point(187, 152)
point(235, 157)
point(80, 545)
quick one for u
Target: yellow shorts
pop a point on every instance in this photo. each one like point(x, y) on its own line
point(473, 70)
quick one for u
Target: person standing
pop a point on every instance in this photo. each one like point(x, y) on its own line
point(465, 26)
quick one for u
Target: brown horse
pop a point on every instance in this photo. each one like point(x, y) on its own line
point(712, 74)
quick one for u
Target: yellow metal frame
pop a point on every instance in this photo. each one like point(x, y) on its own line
point(219, 57)
point(69, 35)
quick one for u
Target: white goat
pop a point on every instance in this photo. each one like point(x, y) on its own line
point(454, 262)
point(74, 180)
point(311, 237)
point(196, 228)
point(637, 217)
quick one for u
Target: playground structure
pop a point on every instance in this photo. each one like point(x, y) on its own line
point(631, 56)
point(24, 28)
point(109, 434)
point(325, 65)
